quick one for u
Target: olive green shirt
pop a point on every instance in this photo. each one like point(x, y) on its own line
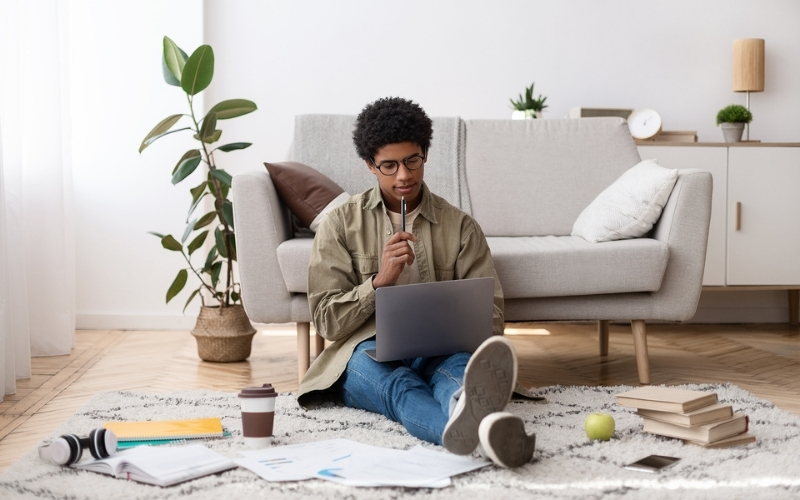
point(347, 253)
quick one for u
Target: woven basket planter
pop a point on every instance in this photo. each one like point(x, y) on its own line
point(223, 334)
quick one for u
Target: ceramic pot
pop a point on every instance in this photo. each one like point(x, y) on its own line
point(732, 131)
point(527, 114)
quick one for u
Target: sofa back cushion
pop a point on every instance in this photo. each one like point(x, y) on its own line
point(325, 142)
point(534, 177)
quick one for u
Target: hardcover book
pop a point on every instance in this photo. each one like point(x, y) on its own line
point(736, 440)
point(706, 433)
point(703, 415)
point(666, 399)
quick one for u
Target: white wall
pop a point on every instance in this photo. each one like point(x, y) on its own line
point(455, 57)
point(118, 95)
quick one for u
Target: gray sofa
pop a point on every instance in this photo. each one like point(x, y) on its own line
point(525, 182)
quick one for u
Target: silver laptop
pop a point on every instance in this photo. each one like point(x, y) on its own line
point(432, 319)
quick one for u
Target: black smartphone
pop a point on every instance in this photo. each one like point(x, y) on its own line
point(652, 463)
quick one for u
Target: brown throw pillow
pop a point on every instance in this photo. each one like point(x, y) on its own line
point(305, 191)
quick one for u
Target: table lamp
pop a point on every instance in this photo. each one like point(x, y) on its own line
point(748, 68)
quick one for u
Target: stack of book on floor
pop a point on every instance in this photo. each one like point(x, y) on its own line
point(697, 417)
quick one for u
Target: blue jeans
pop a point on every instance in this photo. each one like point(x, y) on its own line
point(417, 393)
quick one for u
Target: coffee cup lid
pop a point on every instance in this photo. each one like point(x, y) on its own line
point(265, 391)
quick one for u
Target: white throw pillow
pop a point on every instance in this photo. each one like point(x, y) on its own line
point(629, 207)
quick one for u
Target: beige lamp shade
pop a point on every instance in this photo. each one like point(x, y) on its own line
point(748, 65)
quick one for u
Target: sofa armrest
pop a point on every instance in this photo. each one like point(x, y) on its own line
point(683, 225)
point(262, 224)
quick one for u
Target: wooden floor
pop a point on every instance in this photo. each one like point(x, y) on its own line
point(763, 359)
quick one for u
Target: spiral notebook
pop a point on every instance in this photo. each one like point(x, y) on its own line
point(166, 429)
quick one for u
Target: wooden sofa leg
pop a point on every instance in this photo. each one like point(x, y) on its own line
point(303, 354)
point(640, 348)
point(602, 332)
point(319, 344)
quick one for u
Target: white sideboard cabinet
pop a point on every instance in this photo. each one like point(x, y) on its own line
point(754, 236)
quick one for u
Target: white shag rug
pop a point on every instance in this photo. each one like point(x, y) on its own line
point(565, 464)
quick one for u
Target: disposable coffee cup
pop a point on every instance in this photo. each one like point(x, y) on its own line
point(258, 415)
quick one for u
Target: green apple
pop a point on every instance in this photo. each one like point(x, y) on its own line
point(599, 426)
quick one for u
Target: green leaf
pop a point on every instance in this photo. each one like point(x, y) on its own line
point(215, 270)
point(211, 138)
point(190, 299)
point(177, 285)
point(209, 126)
point(198, 71)
point(220, 239)
point(161, 130)
point(158, 235)
point(172, 62)
point(234, 297)
point(187, 155)
point(227, 212)
point(197, 191)
point(233, 108)
point(222, 176)
point(206, 220)
point(212, 188)
point(234, 146)
point(212, 254)
point(232, 239)
point(185, 168)
point(194, 205)
point(197, 242)
point(170, 243)
point(188, 231)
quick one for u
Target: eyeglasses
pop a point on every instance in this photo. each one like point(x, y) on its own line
point(390, 167)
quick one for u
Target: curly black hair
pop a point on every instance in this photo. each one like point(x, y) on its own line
point(388, 121)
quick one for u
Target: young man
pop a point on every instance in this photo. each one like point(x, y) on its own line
point(360, 247)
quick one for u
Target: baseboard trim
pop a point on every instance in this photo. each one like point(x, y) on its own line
point(725, 315)
point(133, 322)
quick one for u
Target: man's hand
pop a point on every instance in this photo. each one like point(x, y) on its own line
point(396, 254)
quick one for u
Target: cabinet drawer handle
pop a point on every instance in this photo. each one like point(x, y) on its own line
point(738, 215)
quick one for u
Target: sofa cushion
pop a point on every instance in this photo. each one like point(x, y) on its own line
point(534, 177)
point(629, 207)
point(546, 266)
point(293, 257)
point(307, 193)
point(325, 142)
point(552, 266)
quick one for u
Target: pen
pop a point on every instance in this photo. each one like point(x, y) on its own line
point(403, 214)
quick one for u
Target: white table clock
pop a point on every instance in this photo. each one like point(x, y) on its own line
point(645, 123)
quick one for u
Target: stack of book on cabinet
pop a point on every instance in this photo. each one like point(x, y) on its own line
point(696, 417)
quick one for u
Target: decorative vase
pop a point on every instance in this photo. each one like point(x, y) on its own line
point(223, 334)
point(525, 114)
point(732, 131)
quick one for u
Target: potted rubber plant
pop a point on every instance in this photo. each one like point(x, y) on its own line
point(208, 243)
point(732, 119)
point(526, 106)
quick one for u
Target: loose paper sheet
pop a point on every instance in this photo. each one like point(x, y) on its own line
point(357, 464)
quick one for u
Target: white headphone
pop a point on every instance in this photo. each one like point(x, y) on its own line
point(68, 449)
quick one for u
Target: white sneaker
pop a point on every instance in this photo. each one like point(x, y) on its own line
point(504, 440)
point(489, 380)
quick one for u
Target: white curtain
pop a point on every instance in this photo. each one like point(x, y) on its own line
point(37, 235)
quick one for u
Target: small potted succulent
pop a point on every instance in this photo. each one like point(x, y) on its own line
point(732, 119)
point(526, 107)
